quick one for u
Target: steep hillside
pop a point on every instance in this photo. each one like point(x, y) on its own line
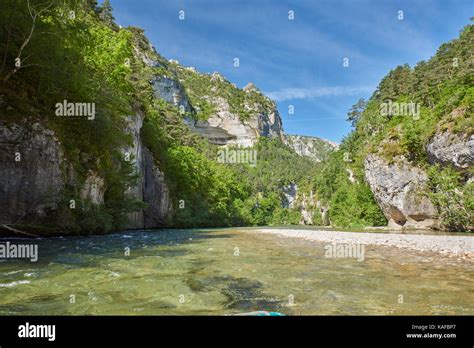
point(99, 132)
point(412, 145)
point(226, 114)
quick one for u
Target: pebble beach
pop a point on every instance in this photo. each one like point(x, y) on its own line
point(453, 246)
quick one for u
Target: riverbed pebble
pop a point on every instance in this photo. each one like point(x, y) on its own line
point(454, 246)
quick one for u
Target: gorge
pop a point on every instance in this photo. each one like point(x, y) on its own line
point(155, 140)
point(162, 190)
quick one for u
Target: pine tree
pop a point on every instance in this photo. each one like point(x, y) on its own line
point(355, 112)
point(105, 13)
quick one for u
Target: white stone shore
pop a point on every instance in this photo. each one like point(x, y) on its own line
point(454, 246)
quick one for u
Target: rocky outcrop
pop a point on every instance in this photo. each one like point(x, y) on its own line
point(134, 153)
point(399, 190)
point(155, 193)
point(34, 173)
point(447, 148)
point(31, 177)
point(233, 116)
point(172, 92)
point(316, 149)
point(93, 189)
point(225, 127)
point(150, 187)
point(306, 207)
point(306, 204)
point(351, 176)
point(290, 194)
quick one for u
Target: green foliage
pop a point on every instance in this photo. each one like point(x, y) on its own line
point(77, 58)
point(277, 166)
point(202, 90)
point(351, 204)
point(105, 13)
point(88, 58)
point(355, 112)
point(211, 192)
point(454, 201)
point(442, 88)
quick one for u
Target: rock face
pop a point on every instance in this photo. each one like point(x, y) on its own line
point(447, 148)
point(135, 154)
point(172, 92)
point(33, 175)
point(155, 193)
point(309, 206)
point(93, 188)
point(299, 201)
point(31, 180)
point(316, 149)
point(398, 189)
point(306, 207)
point(351, 176)
point(305, 203)
point(151, 186)
point(225, 128)
point(290, 193)
point(235, 116)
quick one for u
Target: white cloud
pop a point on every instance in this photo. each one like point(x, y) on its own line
point(318, 92)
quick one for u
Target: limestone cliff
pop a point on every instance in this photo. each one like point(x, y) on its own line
point(400, 190)
point(448, 148)
point(31, 176)
point(316, 149)
point(150, 187)
point(224, 113)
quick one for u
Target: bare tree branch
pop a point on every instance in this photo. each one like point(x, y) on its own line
point(34, 16)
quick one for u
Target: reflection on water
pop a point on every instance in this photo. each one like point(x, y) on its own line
point(229, 271)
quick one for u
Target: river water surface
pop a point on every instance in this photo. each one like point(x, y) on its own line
point(227, 271)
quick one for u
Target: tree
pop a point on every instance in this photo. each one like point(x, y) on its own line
point(35, 13)
point(105, 13)
point(355, 112)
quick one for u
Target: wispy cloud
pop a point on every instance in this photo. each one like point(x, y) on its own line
point(317, 92)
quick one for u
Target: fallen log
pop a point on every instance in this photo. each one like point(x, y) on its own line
point(18, 231)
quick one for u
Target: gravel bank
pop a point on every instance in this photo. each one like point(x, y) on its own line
point(455, 246)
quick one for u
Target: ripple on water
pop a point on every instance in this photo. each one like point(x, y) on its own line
point(173, 272)
point(13, 284)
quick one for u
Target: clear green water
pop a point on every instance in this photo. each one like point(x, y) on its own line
point(199, 272)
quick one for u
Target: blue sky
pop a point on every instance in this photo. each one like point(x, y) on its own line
point(300, 62)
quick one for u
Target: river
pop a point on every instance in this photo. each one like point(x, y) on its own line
point(227, 271)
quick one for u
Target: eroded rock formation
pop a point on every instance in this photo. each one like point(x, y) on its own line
point(400, 190)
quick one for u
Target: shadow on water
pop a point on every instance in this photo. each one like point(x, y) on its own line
point(246, 295)
point(84, 251)
point(242, 294)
